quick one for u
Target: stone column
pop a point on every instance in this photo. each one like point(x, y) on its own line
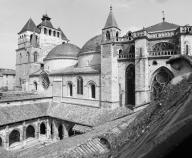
point(65, 130)
point(48, 132)
point(55, 129)
point(6, 143)
point(37, 129)
point(23, 133)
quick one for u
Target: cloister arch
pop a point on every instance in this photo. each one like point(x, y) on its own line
point(130, 85)
point(30, 132)
point(1, 142)
point(160, 78)
point(14, 137)
point(60, 132)
point(42, 128)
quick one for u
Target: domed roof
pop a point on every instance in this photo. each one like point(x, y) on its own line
point(62, 51)
point(92, 45)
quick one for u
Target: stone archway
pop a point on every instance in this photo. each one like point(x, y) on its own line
point(161, 78)
point(130, 85)
point(30, 132)
point(14, 137)
point(42, 128)
point(60, 132)
point(1, 142)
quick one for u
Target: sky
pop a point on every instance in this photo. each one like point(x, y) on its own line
point(80, 20)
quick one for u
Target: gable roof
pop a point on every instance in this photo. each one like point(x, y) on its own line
point(111, 21)
point(29, 26)
point(162, 26)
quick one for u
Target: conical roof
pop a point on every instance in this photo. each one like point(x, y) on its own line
point(111, 22)
point(29, 26)
point(46, 21)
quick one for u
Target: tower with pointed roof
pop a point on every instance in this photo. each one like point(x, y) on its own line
point(109, 63)
point(34, 43)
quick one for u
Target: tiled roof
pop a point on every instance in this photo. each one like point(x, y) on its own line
point(92, 45)
point(95, 69)
point(162, 26)
point(30, 26)
point(87, 145)
point(62, 51)
point(85, 115)
point(111, 21)
point(7, 72)
point(14, 113)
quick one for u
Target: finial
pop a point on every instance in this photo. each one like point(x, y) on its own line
point(111, 8)
point(163, 12)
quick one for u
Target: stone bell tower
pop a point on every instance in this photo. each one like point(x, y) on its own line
point(109, 63)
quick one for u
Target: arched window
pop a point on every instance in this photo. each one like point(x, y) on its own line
point(57, 34)
point(60, 132)
point(31, 36)
point(120, 51)
point(187, 49)
point(117, 36)
point(54, 33)
point(28, 57)
point(50, 32)
point(108, 37)
point(162, 46)
point(79, 85)
point(70, 89)
point(45, 31)
point(30, 132)
point(161, 77)
point(1, 142)
point(35, 57)
point(130, 85)
point(42, 128)
point(35, 85)
point(14, 137)
point(92, 90)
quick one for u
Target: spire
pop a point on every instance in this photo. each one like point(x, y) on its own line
point(29, 26)
point(111, 22)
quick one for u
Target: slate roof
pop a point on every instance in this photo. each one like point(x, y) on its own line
point(16, 113)
point(95, 69)
point(85, 115)
point(162, 26)
point(86, 145)
point(92, 45)
point(62, 51)
point(7, 72)
point(30, 26)
point(111, 21)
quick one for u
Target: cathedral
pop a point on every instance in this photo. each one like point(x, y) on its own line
point(64, 90)
point(109, 71)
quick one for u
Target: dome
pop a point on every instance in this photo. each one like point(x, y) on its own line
point(65, 50)
point(93, 45)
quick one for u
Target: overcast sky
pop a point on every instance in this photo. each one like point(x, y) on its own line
point(83, 19)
